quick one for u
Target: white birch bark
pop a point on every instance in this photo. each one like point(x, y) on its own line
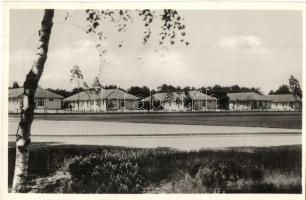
point(26, 115)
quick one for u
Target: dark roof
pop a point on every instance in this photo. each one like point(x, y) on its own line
point(119, 94)
point(282, 98)
point(103, 94)
point(83, 96)
point(15, 92)
point(196, 95)
point(40, 93)
point(246, 96)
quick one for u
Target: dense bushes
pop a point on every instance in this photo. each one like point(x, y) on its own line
point(105, 174)
point(217, 177)
point(102, 169)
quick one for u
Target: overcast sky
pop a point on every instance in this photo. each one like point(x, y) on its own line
point(248, 48)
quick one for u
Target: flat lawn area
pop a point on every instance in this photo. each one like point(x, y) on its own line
point(249, 119)
point(106, 169)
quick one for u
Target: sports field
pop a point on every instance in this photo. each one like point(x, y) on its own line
point(244, 119)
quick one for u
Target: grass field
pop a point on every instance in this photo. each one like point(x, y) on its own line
point(105, 169)
point(249, 119)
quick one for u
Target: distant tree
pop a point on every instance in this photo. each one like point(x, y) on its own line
point(166, 88)
point(76, 75)
point(186, 89)
point(187, 100)
point(86, 86)
point(15, 85)
point(96, 83)
point(63, 93)
point(252, 89)
point(258, 90)
point(203, 89)
point(142, 92)
point(77, 90)
point(237, 88)
point(110, 87)
point(283, 89)
point(220, 93)
point(178, 88)
point(66, 93)
point(153, 91)
point(295, 87)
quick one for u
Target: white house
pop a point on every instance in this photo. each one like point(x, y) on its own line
point(45, 100)
point(175, 101)
point(102, 100)
point(247, 101)
point(284, 102)
point(167, 101)
point(199, 101)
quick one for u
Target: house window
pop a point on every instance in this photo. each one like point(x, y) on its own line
point(122, 103)
point(40, 103)
point(51, 99)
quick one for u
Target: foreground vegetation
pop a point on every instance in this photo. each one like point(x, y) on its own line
point(104, 169)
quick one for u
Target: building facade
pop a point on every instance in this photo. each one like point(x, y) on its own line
point(167, 101)
point(45, 100)
point(247, 101)
point(102, 101)
point(203, 102)
point(176, 101)
point(284, 102)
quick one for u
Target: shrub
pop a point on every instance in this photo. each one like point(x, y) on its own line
point(105, 174)
point(221, 176)
point(218, 176)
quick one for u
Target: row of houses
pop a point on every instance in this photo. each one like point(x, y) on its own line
point(105, 100)
point(85, 101)
point(116, 99)
point(112, 100)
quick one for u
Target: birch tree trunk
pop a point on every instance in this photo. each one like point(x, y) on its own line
point(27, 111)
